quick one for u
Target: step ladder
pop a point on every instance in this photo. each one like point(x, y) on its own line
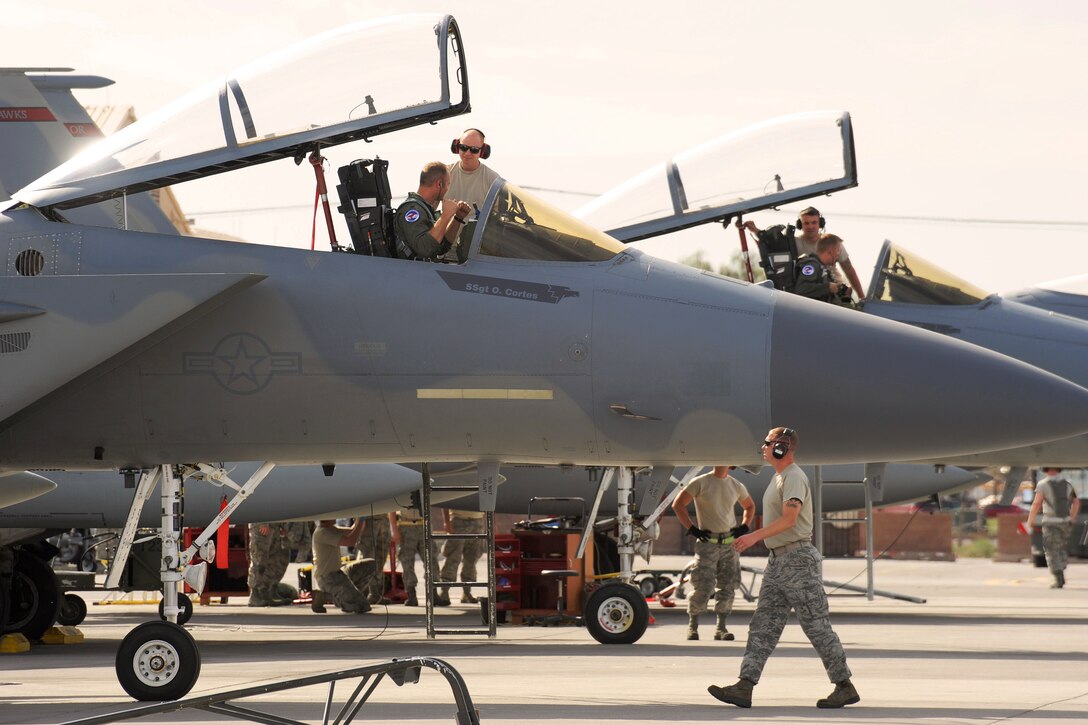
point(431, 541)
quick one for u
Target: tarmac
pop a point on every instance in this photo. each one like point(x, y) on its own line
point(992, 643)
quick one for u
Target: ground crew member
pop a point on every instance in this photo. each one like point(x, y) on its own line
point(717, 564)
point(343, 584)
point(814, 278)
point(421, 232)
point(1058, 505)
point(298, 535)
point(810, 224)
point(374, 544)
point(269, 553)
point(461, 551)
point(409, 536)
point(791, 581)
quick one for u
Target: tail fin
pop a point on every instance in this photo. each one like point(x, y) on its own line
point(42, 125)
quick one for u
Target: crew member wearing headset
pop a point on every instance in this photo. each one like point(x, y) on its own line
point(470, 179)
point(810, 223)
point(717, 564)
point(423, 233)
point(791, 581)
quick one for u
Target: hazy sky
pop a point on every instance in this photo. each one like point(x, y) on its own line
point(970, 111)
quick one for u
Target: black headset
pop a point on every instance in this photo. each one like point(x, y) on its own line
point(809, 211)
point(782, 444)
point(485, 150)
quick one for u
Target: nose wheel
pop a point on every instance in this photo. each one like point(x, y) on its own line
point(616, 614)
point(158, 661)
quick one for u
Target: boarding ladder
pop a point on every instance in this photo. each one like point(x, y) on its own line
point(432, 539)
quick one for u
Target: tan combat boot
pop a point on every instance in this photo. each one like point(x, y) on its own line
point(411, 601)
point(844, 694)
point(317, 602)
point(693, 626)
point(739, 694)
point(721, 632)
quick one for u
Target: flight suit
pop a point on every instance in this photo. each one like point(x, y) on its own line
point(813, 280)
point(412, 225)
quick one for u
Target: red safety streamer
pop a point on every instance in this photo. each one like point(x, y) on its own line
point(222, 539)
point(744, 251)
point(322, 195)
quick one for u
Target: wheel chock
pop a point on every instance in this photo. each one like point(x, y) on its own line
point(14, 643)
point(62, 635)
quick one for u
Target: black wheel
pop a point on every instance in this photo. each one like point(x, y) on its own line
point(73, 610)
point(184, 603)
point(663, 582)
point(35, 597)
point(646, 586)
point(616, 614)
point(158, 661)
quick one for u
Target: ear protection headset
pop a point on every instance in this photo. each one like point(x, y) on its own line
point(485, 150)
point(782, 445)
point(804, 212)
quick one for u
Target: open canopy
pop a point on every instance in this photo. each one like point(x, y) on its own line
point(350, 83)
point(772, 163)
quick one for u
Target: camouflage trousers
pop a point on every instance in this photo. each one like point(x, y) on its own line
point(462, 551)
point(346, 585)
point(717, 572)
point(1056, 545)
point(412, 545)
point(792, 582)
point(269, 556)
point(374, 544)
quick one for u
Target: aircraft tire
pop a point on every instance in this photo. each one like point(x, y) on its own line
point(158, 661)
point(616, 613)
point(35, 597)
point(186, 612)
point(647, 586)
point(73, 610)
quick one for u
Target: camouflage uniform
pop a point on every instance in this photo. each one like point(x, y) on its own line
point(412, 544)
point(716, 565)
point(269, 555)
point(374, 544)
point(298, 535)
point(791, 582)
point(462, 551)
point(1056, 494)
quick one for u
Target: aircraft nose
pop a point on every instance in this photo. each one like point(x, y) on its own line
point(846, 380)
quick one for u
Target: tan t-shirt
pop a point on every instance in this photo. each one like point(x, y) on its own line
point(715, 501)
point(791, 483)
point(326, 548)
point(470, 186)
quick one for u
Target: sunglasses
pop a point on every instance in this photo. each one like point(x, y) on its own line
point(470, 149)
point(767, 443)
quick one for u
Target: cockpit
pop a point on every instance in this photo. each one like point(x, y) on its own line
point(905, 277)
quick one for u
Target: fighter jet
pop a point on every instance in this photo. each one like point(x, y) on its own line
point(1028, 326)
point(1067, 296)
point(905, 287)
point(129, 350)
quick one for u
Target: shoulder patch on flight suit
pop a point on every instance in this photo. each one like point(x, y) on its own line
point(807, 270)
point(411, 215)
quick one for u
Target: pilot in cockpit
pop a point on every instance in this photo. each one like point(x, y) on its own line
point(422, 232)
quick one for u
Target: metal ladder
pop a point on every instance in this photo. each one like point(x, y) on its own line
point(431, 538)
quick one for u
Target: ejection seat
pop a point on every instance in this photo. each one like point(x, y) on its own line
point(366, 203)
point(778, 255)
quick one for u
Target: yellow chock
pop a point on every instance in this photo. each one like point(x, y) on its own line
point(14, 643)
point(62, 635)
